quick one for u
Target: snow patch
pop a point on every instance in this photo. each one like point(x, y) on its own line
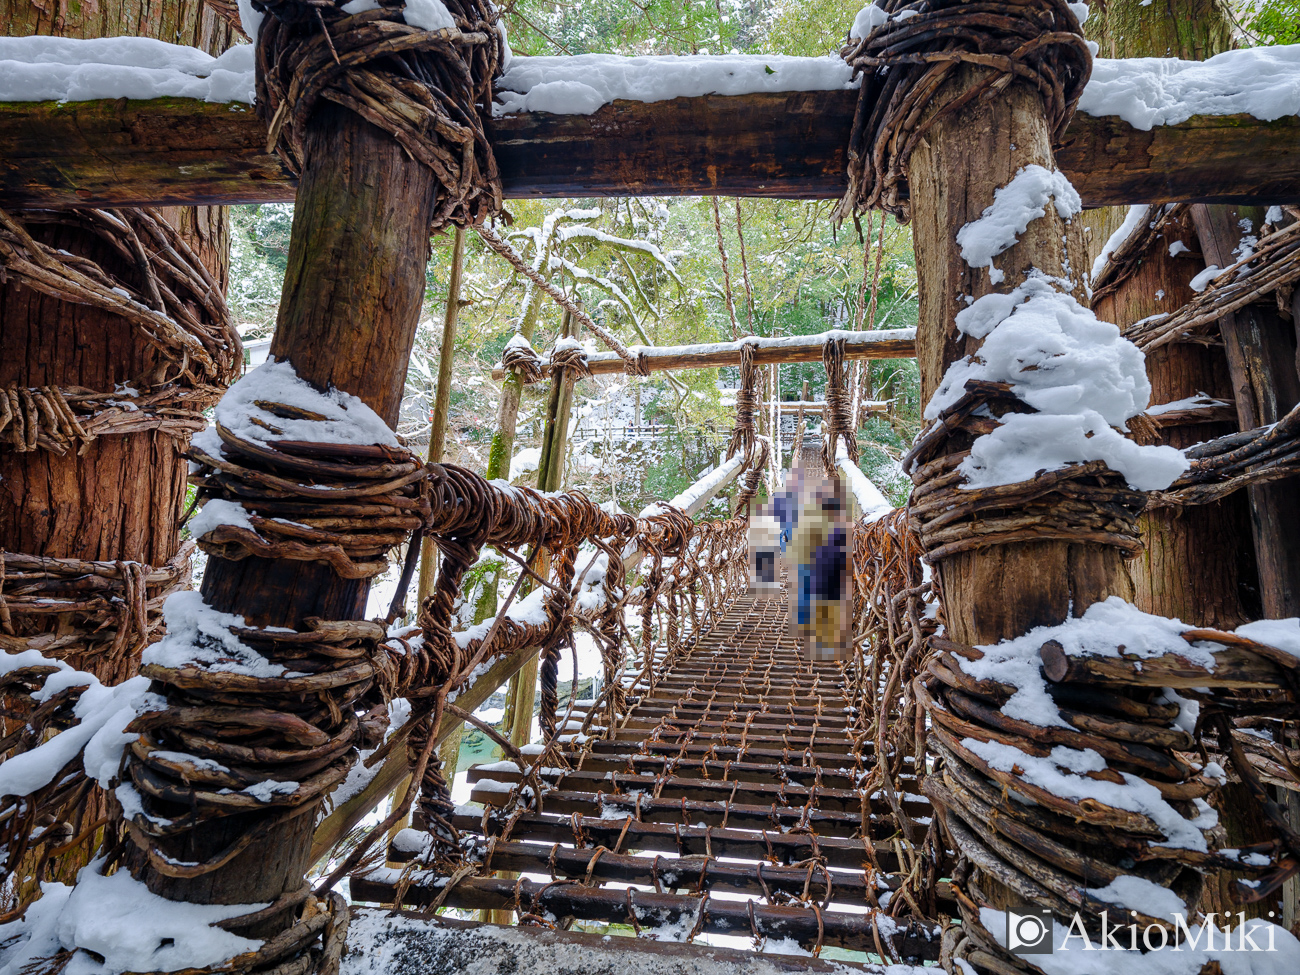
point(1015, 207)
point(36, 69)
point(580, 84)
point(1146, 92)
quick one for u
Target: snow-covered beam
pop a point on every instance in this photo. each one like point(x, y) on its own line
point(890, 343)
point(171, 151)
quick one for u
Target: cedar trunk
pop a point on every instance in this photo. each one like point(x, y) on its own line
point(1197, 560)
point(351, 301)
point(98, 506)
point(1005, 590)
point(1261, 353)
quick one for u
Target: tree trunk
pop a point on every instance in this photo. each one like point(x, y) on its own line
point(1261, 350)
point(96, 506)
point(351, 301)
point(952, 176)
point(1193, 567)
point(1005, 590)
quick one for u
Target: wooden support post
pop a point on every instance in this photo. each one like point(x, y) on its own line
point(1261, 350)
point(1006, 590)
point(1191, 569)
point(351, 301)
point(96, 505)
point(1197, 559)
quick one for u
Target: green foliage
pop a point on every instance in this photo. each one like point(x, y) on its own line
point(259, 255)
point(1270, 21)
point(647, 269)
point(880, 447)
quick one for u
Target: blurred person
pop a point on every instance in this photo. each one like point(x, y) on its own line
point(819, 554)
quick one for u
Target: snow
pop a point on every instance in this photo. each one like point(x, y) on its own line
point(1015, 206)
point(524, 461)
point(1196, 402)
point(703, 489)
point(1282, 634)
point(1146, 92)
point(121, 920)
point(429, 14)
point(99, 735)
point(871, 502)
point(868, 19)
point(34, 69)
point(1140, 895)
point(1132, 220)
point(1202, 280)
point(267, 789)
point(1278, 951)
point(1080, 373)
point(199, 635)
point(1103, 628)
point(249, 18)
point(347, 420)
point(217, 512)
point(1064, 773)
point(580, 84)
point(1106, 629)
point(1029, 443)
point(530, 611)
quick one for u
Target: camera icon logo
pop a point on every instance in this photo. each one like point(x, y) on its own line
point(1030, 934)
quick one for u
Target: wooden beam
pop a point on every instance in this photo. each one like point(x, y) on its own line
point(791, 145)
point(890, 343)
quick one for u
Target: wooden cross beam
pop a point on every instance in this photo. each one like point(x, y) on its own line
point(792, 145)
point(889, 343)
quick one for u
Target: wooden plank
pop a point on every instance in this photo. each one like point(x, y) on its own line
point(788, 145)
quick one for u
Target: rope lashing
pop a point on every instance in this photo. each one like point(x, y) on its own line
point(1079, 503)
point(570, 357)
point(839, 407)
point(345, 505)
point(107, 611)
point(428, 89)
point(522, 359)
point(743, 433)
point(914, 48)
point(168, 297)
point(1272, 266)
point(753, 478)
point(1226, 464)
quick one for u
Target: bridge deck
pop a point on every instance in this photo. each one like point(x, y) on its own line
point(727, 803)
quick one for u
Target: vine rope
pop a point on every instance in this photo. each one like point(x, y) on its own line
point(916, 46)
point(428, 89)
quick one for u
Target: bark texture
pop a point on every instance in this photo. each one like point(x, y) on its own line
point(123, 498)
point(351, 301)
point(1261, 353)
point(1194, 567)
point(1005, 590)
point(768, 144)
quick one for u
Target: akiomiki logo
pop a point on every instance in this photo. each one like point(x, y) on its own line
point(1034, 934)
